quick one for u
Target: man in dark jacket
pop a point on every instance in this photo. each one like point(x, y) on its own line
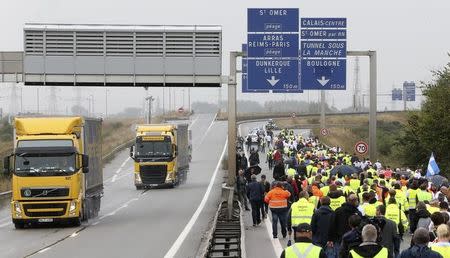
point(343, 213)
point(352, 238)
point(389, 232)
point(278, 171)
point(322, 223)
point(255, 193)
point(369, 247)
point(420, 248)
point(254, 158)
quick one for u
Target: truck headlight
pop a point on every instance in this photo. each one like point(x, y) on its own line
point(137, 177)
point(17, 209)
point(72, 207)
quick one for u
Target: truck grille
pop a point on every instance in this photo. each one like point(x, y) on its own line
point(36, 206)
point(44, 192)
point(153, 174)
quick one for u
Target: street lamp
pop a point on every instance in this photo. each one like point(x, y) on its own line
point(150, 99)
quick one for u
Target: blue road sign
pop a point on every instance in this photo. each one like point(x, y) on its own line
point(323, 74)
point(323, 22)
point(397, 94)
point(324, 49)
point(272, 20)
point(323, 34)
point(272, 45)
point(274, 74)
point(409, 90)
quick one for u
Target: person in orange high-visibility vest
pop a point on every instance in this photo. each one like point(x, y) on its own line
point(277, 198)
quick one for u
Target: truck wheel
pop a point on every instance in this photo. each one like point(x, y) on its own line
point(139, 187)
point(19, 225)
point(76, 222)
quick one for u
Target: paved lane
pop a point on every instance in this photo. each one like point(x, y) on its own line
point(139, 223)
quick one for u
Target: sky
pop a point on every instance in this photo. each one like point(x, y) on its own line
point(411, 39)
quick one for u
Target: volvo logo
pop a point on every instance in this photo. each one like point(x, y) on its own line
point(27, 193)
point(44, 192)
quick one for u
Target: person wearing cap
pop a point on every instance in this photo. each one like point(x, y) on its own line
point(303, 246)
point(369, 247)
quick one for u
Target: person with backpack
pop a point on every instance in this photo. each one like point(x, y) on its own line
point(422, 217)
point(352, 238)
point(389, 236)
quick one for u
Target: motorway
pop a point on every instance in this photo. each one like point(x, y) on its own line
point(145, 223)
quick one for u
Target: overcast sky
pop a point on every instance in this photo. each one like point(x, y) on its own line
point(411, 38)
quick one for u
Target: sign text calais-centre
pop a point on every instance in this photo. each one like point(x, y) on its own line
point(273, 50)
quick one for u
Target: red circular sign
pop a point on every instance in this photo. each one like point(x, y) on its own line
point(324, 131)
point(180, 110)
point(361, 147)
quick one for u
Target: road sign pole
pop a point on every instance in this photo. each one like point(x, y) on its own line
point(373, 100)
point(322, 109)
point(373, 107)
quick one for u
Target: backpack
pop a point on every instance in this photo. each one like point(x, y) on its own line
point(378, 223)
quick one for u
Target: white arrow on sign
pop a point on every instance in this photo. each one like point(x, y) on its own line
point(323, 81)
point(273, 81)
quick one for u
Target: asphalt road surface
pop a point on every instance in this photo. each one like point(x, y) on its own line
point(131, 223)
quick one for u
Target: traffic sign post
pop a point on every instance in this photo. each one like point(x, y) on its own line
point(397, 94)
point(323, 54)
point(324, 131)
point(361, 147)
point(409, 90)
point(273, 50)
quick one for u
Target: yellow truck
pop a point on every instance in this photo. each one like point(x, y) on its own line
point(56, 168)
point(161, 155)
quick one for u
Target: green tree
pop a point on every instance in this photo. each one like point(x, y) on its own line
point(428, 130)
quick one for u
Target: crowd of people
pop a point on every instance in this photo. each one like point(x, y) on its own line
point(339, 205)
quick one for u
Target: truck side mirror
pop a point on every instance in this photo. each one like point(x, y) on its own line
point(85, 163)
point(132, 151)
point(6, 165)
point(175, 150)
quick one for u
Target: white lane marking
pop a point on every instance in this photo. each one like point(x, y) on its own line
point(207, 130)
point(43, 250)
point(5, 224)
point(193, 122)
point(177, 244)
point(276, 244)
point(74, 234)
point(118, 209)
point(114, 178)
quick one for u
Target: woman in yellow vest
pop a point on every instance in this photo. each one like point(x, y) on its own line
point(442, 244)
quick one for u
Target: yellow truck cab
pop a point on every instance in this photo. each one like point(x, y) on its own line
point(161, 155)
point(56, 168)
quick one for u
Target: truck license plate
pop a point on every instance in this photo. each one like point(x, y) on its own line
point(45, 220)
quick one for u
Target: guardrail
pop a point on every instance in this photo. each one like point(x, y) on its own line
point(105, 158)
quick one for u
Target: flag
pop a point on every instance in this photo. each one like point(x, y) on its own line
point(433, 168)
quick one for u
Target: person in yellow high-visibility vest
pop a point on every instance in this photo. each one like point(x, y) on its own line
point(337, 198)
point(411, 195)
point(442, 245)
point(423, 195)
point(303, 246)
point(355, 183)
point(369, 246)
point(302, 210)
point(396, 214)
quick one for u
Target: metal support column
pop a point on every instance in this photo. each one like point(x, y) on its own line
point(322, 109)
point(373, 100)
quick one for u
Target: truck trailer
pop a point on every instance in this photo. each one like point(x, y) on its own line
point(57, 170)
point(161, 155)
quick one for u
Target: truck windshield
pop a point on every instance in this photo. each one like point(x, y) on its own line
point(33, 164)
point(153, 149)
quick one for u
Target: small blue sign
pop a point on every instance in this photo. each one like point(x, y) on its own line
point(323, 74)
point(324, 22)
point(273, 74)
point(409, 90)
point(330, 49)
point(273, 20)
point(397, 94)
point(272, 45)
point(323, 34)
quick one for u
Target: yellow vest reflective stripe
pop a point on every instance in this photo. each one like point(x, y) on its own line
point(412, 195)
point(336, 202)
point(383, 253)
point(444, 249)
point(302, 250)
point(354, 184)
point(423, 196)
point(301, 212)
